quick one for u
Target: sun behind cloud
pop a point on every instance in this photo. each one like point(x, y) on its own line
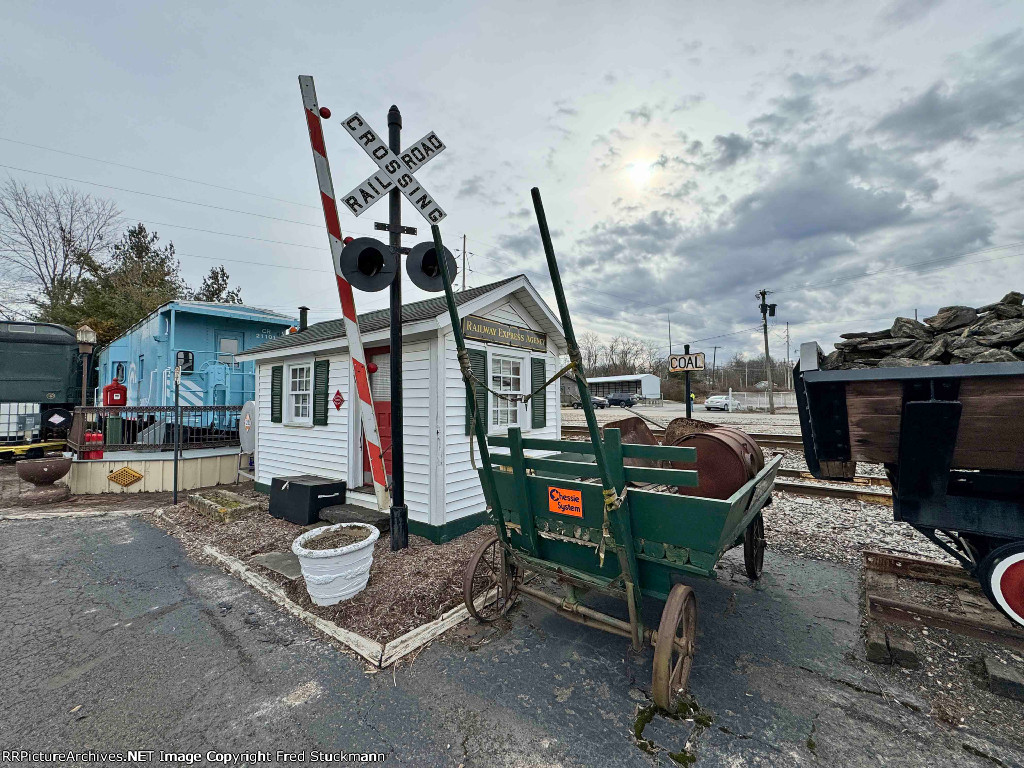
point(640, 172)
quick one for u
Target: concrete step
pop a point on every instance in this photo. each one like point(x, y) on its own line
point(351, 513)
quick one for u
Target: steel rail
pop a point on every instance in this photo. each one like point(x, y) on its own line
point(832, 492)
point(867, 480)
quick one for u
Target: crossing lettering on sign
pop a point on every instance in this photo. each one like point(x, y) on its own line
point(681, 363)
point(395, 171)
point(372, 188)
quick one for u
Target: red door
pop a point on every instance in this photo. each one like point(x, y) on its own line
point(380, 390)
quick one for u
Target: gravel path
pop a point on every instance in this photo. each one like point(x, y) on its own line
point(839, 530)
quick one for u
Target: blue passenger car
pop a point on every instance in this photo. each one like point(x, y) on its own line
point(203, 338)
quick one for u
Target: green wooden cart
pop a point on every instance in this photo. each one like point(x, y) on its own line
point(551, 513)
point(629, 535)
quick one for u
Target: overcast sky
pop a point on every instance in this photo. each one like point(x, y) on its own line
point(689, 154)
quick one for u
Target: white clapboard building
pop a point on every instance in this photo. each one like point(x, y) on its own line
point(308, 411)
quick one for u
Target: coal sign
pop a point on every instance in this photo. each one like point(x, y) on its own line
point(683, 363)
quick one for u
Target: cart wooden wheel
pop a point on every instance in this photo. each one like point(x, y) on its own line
point(490, 584)
point(1001, 573)
point(673, 653)
point(753, 547)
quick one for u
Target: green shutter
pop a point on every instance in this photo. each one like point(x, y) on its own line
point(276, 381)
point(321, 374)
point(478, 363)
point(539, 402)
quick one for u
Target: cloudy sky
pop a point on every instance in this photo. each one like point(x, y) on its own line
point(862, 160)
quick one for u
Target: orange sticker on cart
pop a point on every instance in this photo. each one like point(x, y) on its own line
point(565, 501)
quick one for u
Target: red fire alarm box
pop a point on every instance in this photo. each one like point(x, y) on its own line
point(115, 393)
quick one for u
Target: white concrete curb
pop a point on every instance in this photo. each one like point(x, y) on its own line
point(378, 655)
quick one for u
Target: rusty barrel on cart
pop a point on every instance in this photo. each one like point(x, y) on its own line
point(726, 459)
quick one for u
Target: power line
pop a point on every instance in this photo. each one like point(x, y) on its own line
point(158, 173)
point(162, 197)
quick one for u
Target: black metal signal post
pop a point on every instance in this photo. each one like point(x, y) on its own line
point(399, 512)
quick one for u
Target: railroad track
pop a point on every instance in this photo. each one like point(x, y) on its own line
point(976, 618)
point(790, 442)
point(835, 492)
point(870, 481)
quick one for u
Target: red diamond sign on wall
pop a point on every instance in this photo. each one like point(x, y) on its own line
point(338, 400)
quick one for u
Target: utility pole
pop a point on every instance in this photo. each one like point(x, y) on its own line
point(463, 262)
point(767, 309)
point(399, 512)
point(789, 369)
point(669, 315)
point(714, 358)
point(689, 405)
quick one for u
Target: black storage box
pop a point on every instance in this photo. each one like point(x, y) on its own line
point(299, 499)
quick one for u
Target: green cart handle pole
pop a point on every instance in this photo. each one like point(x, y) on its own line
point(490, 488)
point(610, 492)
point(613, 494)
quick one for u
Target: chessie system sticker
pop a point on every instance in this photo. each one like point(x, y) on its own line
point(565, 501)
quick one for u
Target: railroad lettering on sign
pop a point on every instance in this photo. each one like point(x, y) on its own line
point(565, 501)
point(691, 362)
point(396, 171)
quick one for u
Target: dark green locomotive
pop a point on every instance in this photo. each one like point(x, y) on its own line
point(40, 383)
point(39, 363)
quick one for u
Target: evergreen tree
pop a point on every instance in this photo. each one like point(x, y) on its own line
point(215, 288)
point(139, 276)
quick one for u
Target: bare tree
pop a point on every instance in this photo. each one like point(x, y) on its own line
point(590, 351)
point(48, 241)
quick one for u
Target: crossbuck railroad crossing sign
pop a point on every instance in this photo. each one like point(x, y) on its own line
point(394, 170)
point(683, 363)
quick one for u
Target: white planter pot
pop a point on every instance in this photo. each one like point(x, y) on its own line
point(333, 575)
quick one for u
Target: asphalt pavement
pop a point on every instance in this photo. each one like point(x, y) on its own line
point(111, 639)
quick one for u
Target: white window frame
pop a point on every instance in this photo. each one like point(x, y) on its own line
point(288, 393)
point(523, 358)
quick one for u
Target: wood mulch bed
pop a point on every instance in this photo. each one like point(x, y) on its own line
point(407, 588)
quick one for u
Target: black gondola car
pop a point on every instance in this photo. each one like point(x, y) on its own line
point(40, 381)
point(951, 438)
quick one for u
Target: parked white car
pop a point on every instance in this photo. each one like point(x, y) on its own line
point(722, 403)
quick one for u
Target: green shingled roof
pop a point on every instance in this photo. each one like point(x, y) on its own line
point(377, 320)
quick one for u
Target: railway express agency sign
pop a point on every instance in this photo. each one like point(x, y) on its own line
point(481, 329)
point(396, 171)
point(682, 363)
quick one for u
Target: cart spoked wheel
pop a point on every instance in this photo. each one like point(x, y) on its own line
point(753, 547)
point(673, 653)
point(1002, 577)
point(490, 584)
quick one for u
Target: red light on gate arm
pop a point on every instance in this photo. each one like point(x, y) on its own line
point(371, 367)
point(348, 240)
point(325, 113)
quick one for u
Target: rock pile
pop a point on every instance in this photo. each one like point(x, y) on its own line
point(990, 334)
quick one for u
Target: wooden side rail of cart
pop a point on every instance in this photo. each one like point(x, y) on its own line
point(553, 514)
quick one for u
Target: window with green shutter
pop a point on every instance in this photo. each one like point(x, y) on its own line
point(276, 382)
point(478, 364)
point(321, 374)
point(539, 402)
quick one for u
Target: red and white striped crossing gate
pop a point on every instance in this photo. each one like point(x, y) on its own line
point(348, 306)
